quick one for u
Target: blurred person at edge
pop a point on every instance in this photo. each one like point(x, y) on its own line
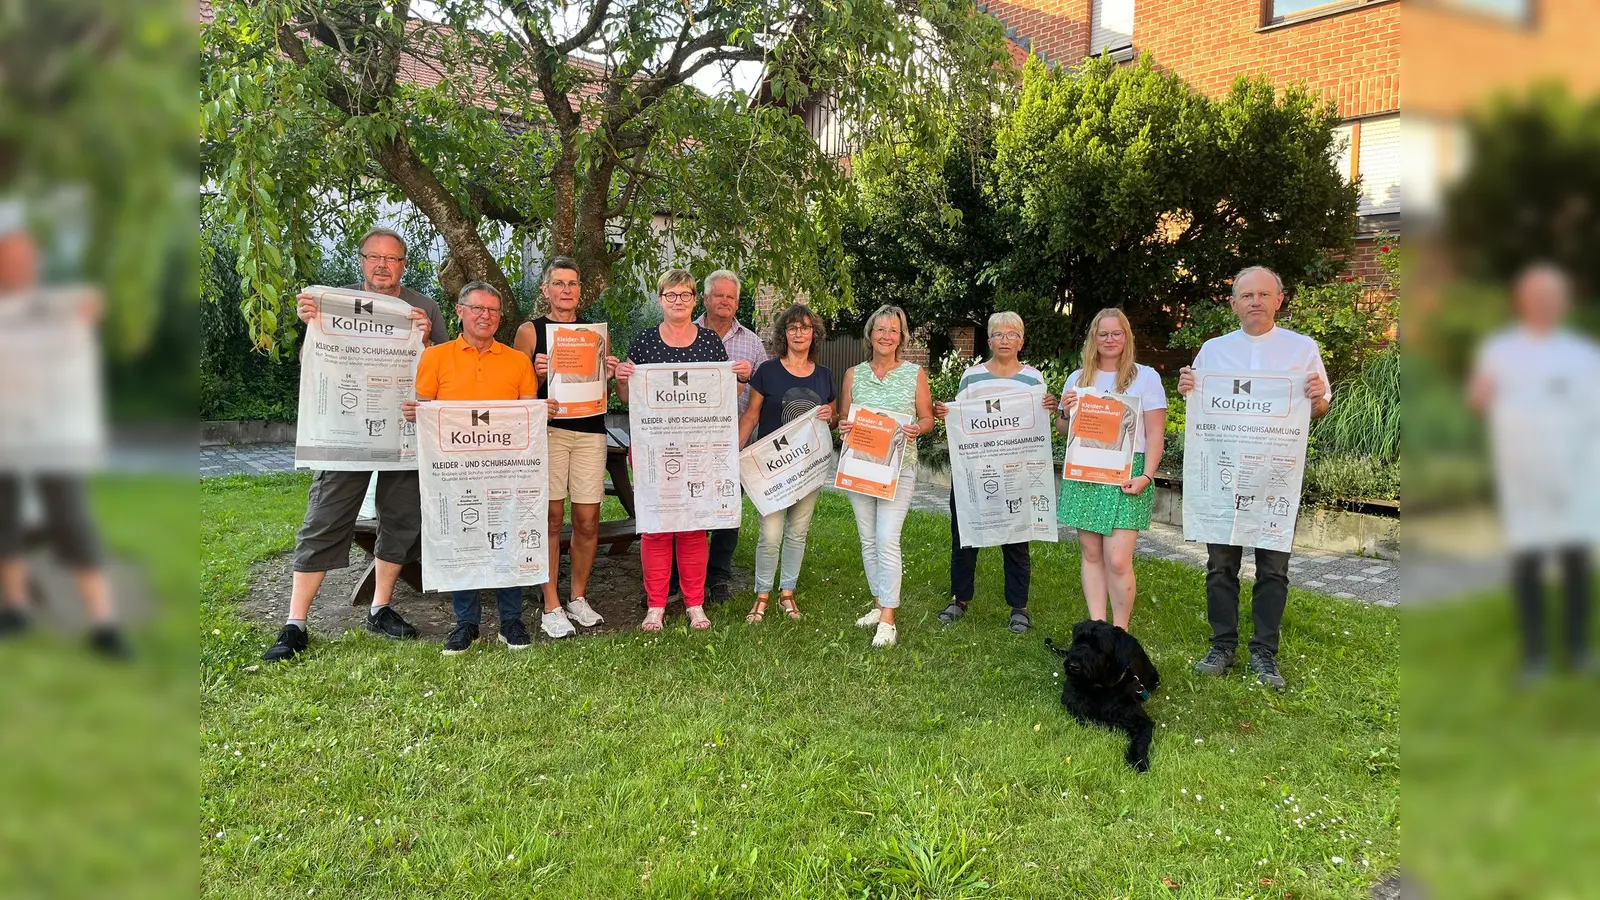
point(334, 502)
point(1543, 365)
point(68, 524)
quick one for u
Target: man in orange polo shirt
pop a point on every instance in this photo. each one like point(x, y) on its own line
point(475, 366)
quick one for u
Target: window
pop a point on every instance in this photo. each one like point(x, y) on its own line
point(1110, 26)
point(1372, 153)
point(1277, 12)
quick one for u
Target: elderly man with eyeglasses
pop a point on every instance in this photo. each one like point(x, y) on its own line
point(323, 543)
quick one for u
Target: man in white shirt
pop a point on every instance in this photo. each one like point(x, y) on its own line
point(1536, 383)
point(1258, 345)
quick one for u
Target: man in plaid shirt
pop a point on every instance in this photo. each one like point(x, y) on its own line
point(745, 351)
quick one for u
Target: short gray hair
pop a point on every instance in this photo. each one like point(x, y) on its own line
point(1006, 317)
point(473, 287)
point(1251, 270)
point(371, 233)
point(724, 275)
point(560, 262)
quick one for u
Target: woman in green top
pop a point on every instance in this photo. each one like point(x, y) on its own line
point(887, 384)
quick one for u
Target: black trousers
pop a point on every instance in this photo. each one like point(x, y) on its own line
point(1267, 600)
point(719, 562)
point(1528, 590)
point(964, 567)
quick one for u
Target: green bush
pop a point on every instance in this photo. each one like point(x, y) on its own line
point(1332, 477)
point(1365, 417)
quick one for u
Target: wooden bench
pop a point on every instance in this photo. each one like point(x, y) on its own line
point(618, 536)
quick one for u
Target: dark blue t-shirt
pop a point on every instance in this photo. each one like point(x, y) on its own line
point(785, 397)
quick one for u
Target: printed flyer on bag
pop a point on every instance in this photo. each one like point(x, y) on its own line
point(577, 368)
point(358, 363)
point(1101, 436)
point(788, 464)
point(870, 462)
point(1244, 456)
point(684, 420)
point(1001, 470)
point(485, 493)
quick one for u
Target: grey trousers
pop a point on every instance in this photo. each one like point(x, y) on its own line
point(332, 506)
point(69, 527)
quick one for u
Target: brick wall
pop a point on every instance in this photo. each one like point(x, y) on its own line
point(1352, 58)
point(1467, 57)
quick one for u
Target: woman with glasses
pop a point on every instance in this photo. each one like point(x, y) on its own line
point(1109, 517)
point(790, 384)
point(1003, 372)
point(676, 340)
point(889, 384)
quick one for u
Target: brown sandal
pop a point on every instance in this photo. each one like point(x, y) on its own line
point(759, 611)
point(786, 600)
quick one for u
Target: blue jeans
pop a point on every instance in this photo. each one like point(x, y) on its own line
point(469, 608)
point(786, 530)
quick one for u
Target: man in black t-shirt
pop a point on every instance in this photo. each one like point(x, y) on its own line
point(577, 459)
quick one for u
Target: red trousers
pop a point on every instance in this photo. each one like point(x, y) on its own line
point(655, 553)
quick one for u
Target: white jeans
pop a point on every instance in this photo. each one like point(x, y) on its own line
point(787, 529)
point(879, 523)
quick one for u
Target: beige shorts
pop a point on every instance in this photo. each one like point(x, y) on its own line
point(577, 466)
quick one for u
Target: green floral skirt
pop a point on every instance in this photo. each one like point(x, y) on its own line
point(1102, 508)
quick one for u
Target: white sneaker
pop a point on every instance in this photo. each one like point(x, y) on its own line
point(885, 636)
point(869, 620)
point(581, 612)
point(554, 623)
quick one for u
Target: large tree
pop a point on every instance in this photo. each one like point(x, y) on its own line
point(575, 125)
point(1105, 185)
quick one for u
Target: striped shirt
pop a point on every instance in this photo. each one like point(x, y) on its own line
point(982, 381)
point(741, 343)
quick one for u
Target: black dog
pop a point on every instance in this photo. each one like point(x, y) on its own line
point(1108, 678)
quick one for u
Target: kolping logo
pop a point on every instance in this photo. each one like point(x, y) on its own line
point(480, 417)
point(780, 443)
point(680, 378)
point(991, 406)
point(1241, 387)
point(363, 306)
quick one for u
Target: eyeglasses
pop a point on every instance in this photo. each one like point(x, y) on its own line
point(1004, 336)
point(677, 296)
point(890, 332)
point(378, 257)
point(1111, 335)
point(798, 329)
point(559, 285)
point(486, 312)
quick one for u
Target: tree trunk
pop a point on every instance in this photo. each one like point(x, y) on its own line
point(470, 258)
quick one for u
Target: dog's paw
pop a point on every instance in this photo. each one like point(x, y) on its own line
point(1142, 764)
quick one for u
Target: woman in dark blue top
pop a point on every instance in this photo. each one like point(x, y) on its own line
point(789, 385)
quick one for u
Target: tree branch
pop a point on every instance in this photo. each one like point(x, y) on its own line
point(597, 17)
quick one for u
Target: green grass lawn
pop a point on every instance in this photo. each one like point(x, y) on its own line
point(97, 766)
point(1502, 785)
point(787, 759)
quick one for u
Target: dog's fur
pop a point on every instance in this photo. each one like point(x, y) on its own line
point(1108, 677)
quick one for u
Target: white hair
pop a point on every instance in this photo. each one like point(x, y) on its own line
point(1251, 270)
point(723, 275)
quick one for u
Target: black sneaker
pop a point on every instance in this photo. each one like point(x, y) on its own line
point(1265, 665)
point(514, 635)
point(107, 641)
point(12, 621)
point(1216, 662)
point(720, 593)
point(953, 612)
point(388, 623)
point(461, 639)
point(291, 640)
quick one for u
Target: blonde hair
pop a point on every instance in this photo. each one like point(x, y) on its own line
point(674, 278)
point(884, 312)
point(1004, 318)
point(1089, 362)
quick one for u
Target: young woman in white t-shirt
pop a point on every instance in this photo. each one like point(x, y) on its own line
point(1109, 517)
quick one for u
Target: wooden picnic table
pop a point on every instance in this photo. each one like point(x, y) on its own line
point(618, 535)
